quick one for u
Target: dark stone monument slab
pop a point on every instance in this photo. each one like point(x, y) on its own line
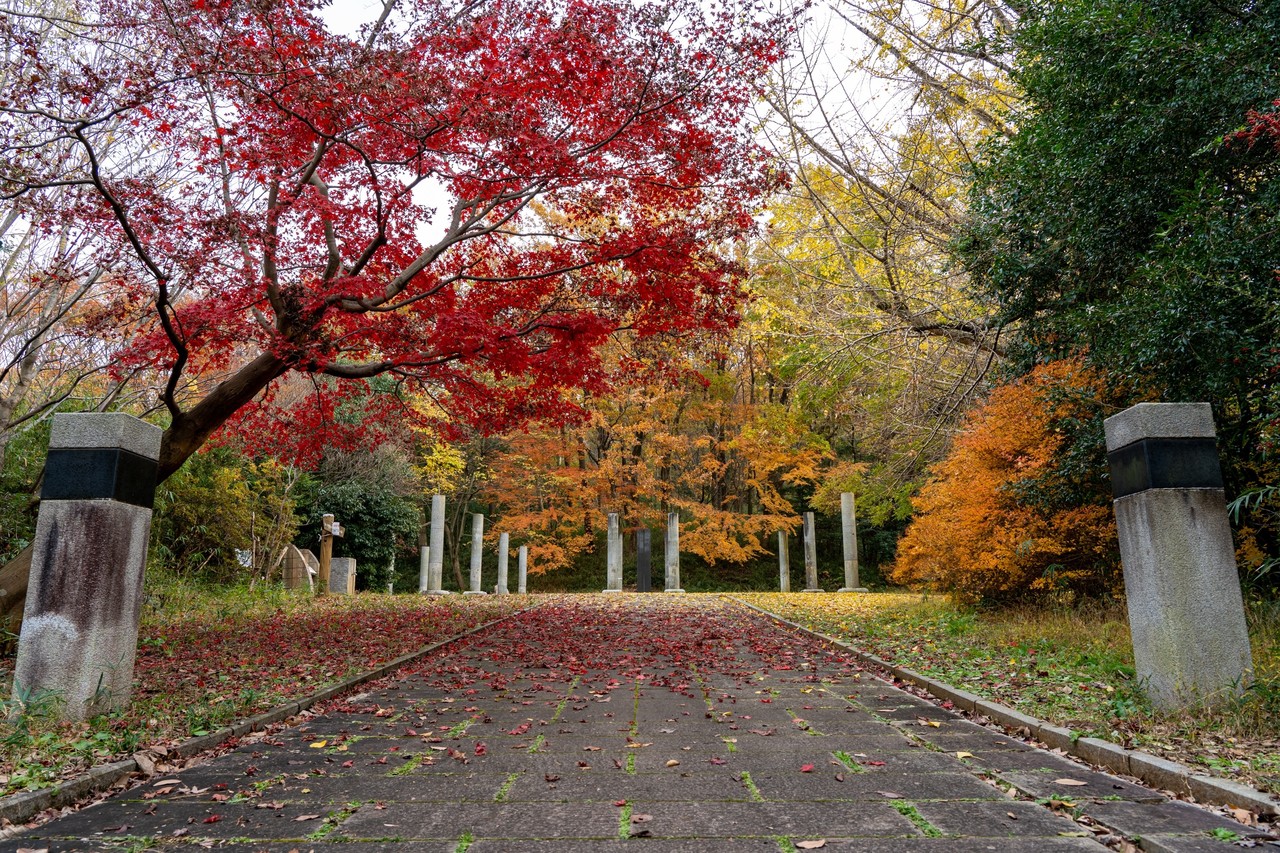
point(644, 571)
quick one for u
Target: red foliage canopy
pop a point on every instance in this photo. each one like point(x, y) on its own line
point(268, 181)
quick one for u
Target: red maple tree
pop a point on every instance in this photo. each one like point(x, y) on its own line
point(267, 177)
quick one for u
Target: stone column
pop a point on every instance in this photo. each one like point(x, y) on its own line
point(424, 561)
point(477, 554)
point(849, 538)
point(1186, 613)
point(810, 556)
point(435, 548)
point(673, 553)
point(784, 563)
point(522, 569)
point(613, 556)
point(80, 627)
point(504, 545)
point(644, 570)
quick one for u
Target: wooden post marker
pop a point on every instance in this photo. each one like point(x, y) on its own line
point(328, 530)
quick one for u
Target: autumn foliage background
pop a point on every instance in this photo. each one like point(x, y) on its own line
point(557, 260)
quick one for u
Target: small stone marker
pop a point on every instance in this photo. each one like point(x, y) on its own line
point(435, 548)
point(1186, 613)
point(522, 569)
point(810, 556)
point(784, 563)
point(673, 553)
point(424, 560)
point(613, 556)
point(504, 545)
point(849, 531)
point(80, 626)
point(644, 569)
point(477, 554)
point(295, 568)
point(342, 575)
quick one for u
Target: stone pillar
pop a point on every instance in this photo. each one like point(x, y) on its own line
point(673, 553)
point(522, 569)
point(1186, 613)
point(784, 563)
point(644, 569)
point(504, 545)
point(477, 554)
point(849, 538)
point(424, 559)
point(613, 556)
point(435, 548)
point(810, 556)
point(80, 627)
point(342, 575)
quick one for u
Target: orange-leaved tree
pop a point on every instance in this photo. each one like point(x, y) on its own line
point(983, 528)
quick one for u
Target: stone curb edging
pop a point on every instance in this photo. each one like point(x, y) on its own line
point(19, 808)
point(1152, 770)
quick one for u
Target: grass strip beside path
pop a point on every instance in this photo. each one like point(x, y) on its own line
point(1070, 666)
point(208, 658)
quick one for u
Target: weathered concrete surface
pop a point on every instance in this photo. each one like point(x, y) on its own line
point(767, 739)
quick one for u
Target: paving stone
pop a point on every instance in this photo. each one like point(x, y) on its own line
point(967, 845)
point(440, 787)
point(1035, 760)
point(648, 845)
point(1039, 784)
point(505, 820)
point(1008, 818)
point(609, 786)
point(118, 819)
point(729, 820)
point(1141, 819)
point(821, 784)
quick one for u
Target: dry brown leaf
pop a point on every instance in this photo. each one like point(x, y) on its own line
point(303, 817)
point(892, 795)
point(811, 845)
point(673, 763)
point(964, 755)
point(1069, 782)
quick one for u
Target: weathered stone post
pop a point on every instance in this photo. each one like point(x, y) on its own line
point(504, 545)
point(613, 556)
point(1186, 614)
point(522, 569)
point(435, 548)
point(784, 563)
point(810, 556)
point(424, 560)
point(644, 569)
point(477, 554)
point(849, 536)
point(673, 553)
point(80, 626)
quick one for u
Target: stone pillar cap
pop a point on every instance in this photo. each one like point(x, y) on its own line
point(1159, 420)
point(106, 429)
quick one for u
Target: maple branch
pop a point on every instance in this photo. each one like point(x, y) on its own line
point(164, 307)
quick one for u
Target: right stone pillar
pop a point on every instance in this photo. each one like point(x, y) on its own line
point(1186, 613)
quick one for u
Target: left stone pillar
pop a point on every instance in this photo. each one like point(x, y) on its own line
point(80, 627)
point(613, 556)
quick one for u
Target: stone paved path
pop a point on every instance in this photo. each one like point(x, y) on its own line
point(631, 723)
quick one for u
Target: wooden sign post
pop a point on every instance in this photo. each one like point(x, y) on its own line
point(328, 530)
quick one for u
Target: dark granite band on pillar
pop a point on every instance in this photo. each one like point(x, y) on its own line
point(1165, 463)
point(99, 473)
